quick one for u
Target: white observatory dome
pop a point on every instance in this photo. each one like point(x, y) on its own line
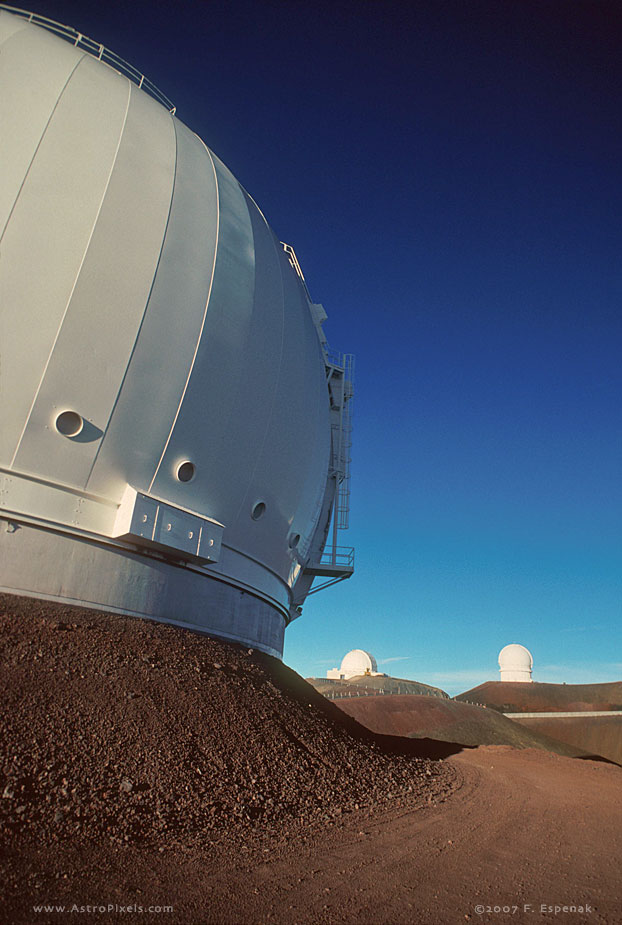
point(356, 662)
point(174, 433)
point(515, 663)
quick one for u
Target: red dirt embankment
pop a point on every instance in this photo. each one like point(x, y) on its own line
point(521, 697)
point(118, 732)
point(598, 735)
point(410, 715)
point(144, 766)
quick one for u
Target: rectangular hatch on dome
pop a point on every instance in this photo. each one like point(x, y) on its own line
point(156, 524)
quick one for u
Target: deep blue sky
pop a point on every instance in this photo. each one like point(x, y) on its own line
point(449, 175)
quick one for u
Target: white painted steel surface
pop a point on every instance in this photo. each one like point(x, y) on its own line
point(161, 359)
point(515, 663)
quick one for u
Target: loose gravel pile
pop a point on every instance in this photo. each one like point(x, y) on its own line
point(129, 732)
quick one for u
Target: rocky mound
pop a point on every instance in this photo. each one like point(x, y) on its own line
point(127, 732)
point(519, 697)
point(450, 721)
point(366, 685)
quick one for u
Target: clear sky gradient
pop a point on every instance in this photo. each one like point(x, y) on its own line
point(449, 174)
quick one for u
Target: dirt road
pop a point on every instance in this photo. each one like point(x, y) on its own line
point(524, 830)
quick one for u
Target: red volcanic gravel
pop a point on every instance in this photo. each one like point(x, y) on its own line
point(153, 775)
point(127, 732)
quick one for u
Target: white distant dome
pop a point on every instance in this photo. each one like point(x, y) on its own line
point(357, 662)
point(515, 663)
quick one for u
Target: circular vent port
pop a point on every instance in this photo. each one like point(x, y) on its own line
point(69, 423)
point(186, 472)
point(258, 510)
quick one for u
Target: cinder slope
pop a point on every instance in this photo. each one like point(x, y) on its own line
point(119, 731)
point(517, 697)
point(448, 720)
point(598, 735)
point(497, 825)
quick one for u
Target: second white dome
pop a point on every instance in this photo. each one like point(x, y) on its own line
point(515, 663)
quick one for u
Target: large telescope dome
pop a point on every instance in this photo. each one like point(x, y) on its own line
point(175, 432)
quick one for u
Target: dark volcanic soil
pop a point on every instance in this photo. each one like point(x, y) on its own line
point(535, 697)
point(600, 735)
point(144, 766)
point(451, 721)
point(118, 732)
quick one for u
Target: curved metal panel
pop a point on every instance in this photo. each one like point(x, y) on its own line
point(95, 341)
point(206, 411)
point(9, 25)
point(293, 438)
point(23, 62)
point(148, 400)
point(259, 360)
point(51, 225)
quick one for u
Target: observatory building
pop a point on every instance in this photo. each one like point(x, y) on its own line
point(174, 438)
point(515, 663)
point(356, 663)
